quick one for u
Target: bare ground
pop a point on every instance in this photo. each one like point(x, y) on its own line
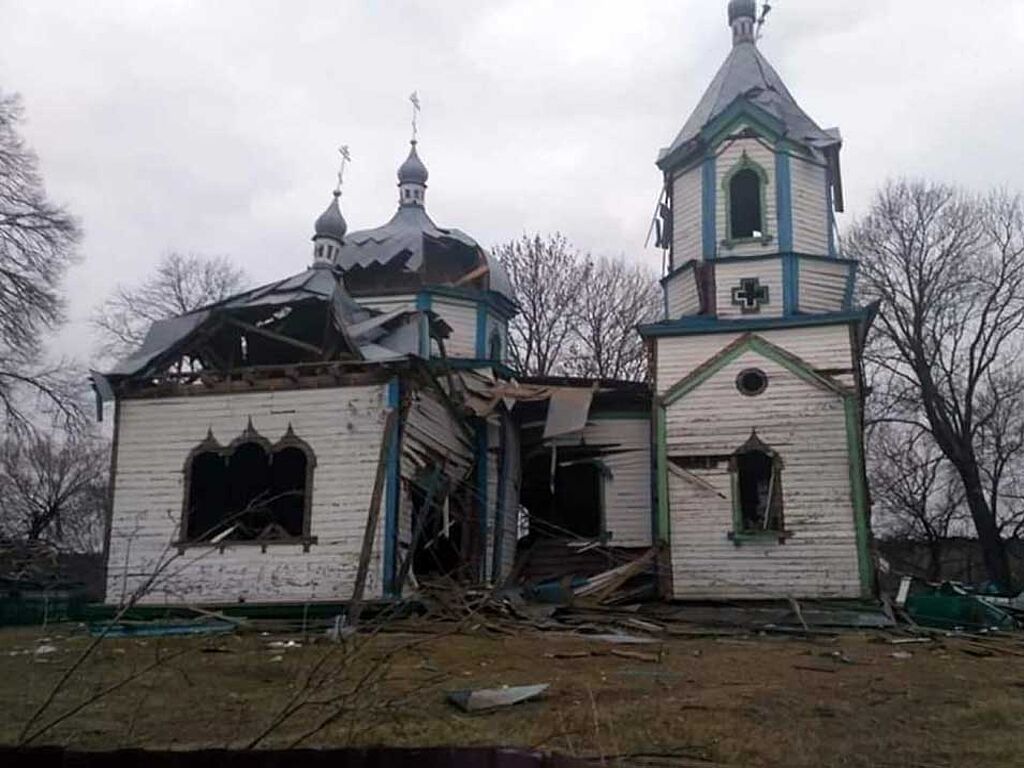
point(737, 700)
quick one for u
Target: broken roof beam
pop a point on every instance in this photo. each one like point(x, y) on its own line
point(274, 336)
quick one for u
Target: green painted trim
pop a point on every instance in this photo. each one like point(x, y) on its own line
point(618, 416)
point(745, 164)
point(737, 510)
point(859, 495)
point(750, 342)
point(663, 528)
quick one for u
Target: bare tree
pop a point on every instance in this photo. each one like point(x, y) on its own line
point(181, 284)
point(949, 270)
point(547, 275)
point(613, 301)
point(54, 490)
point(917, 495)
point(37, 244)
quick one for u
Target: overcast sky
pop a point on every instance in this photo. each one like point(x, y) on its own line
point(212, 127)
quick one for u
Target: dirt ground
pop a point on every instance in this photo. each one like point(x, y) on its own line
point(739, 700)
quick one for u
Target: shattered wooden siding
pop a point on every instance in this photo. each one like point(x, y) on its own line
point(461, 316)
point(687, 238)
point(823, 285)
point(824, 347)
point(726, 163)
point(628, 491)
point(729, 272)
point(682, 295)
point(806, 426)
point(810, 207)
point(342, 425)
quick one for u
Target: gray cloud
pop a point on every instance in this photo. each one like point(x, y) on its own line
point(212, 127)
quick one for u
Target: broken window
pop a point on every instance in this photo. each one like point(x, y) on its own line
point(745, 205)
point(248, 491)
point(495, 345)
point(569, 504)
point(757, 488)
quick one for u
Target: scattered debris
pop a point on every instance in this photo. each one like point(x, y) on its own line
point(901, 655)
point(43, 650)
point(484, 699)
point(162, 628)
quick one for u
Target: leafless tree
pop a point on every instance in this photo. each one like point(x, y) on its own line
point(181, 284)
point(54, 490)
point(37, 244)
point(949, 269)
point(917, 495)
point(613, 301)
point(547, 276)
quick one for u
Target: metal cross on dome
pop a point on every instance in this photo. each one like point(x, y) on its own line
point(750, 296)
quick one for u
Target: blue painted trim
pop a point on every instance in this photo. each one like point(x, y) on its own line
point(784, 201)
point(691, 264)
point(481, 331)
point(393, 491)
point(830, 218)
point(790, 284)
point(424, 303)
point(699, 325)
point(481, 491)
point(851, 285)
point(501, 305)
point(709, 226)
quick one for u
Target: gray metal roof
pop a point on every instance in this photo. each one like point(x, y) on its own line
point(413, 171)
point(747, 74)
point(407, 235)
point(331, 223)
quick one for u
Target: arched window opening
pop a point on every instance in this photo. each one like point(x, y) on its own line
point(249, 491)
point(759, 489)
point(745, 205)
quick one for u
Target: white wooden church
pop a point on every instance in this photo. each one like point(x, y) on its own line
point(359, 422)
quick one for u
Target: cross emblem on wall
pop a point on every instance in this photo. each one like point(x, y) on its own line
point(750, 296)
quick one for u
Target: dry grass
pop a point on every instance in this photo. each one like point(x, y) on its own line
point(738, 701)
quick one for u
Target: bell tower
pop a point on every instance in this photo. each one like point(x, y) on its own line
point(759, 346)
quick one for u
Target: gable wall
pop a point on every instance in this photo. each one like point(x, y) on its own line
point(806, 426)
point(824, 347)
point(342, 425)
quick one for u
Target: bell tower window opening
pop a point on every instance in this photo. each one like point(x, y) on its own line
point(745, 205)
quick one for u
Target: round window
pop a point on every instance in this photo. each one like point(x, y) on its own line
point(752, 381)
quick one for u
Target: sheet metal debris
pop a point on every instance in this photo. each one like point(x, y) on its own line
point(483, 699)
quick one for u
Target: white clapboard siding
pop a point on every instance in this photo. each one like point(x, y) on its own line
point(687, 235)
point(461, 316)
point(729, 273)
point(807, 427)
point(342, 425)
point(627, 495)
point(824, 347)
point(727, 160)
point(822, 285)
point(682, 295)
point(810, 207)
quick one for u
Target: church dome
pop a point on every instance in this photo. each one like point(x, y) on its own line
point(739, 9)
point(413, 171)
point(331, 223)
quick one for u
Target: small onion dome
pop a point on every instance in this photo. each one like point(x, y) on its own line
point(331, 223)
point(742, 8)
point(413, 171)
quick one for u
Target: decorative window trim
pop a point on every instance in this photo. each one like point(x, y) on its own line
point(289, 440)
point(744, 164)
point(740, 534)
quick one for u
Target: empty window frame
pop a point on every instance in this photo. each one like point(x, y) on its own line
point(249, 491)
point(757, 489)
point(745, 188)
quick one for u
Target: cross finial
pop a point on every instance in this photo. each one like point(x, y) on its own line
point(415, 99)
point(346, 157)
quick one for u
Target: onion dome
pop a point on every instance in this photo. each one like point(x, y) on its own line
point(331, 223)
point(413, 171)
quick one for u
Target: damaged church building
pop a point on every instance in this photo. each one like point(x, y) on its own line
point(358, 429)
